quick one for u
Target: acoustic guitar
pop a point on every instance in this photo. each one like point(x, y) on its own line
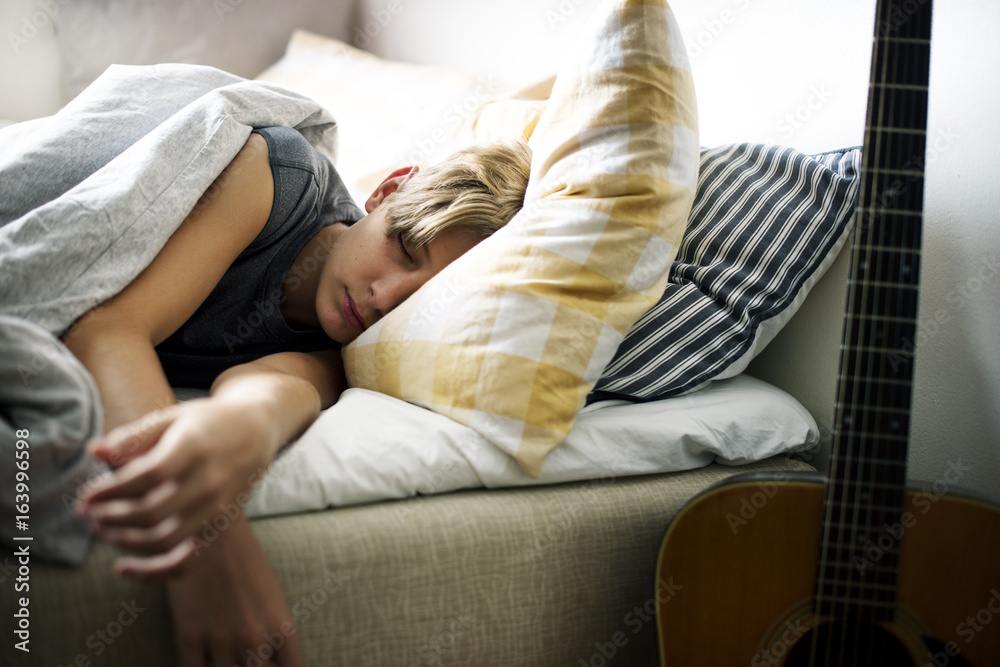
point(856, 569)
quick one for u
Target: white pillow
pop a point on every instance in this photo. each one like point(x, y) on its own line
point(370, 447)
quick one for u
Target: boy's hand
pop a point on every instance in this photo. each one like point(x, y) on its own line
point(228, 606)
point(178, 467)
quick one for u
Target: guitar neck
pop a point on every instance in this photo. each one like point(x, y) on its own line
point(859, 555)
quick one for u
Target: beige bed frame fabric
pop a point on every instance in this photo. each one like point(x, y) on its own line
point(539, 576)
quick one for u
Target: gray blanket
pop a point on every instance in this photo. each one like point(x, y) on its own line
point(88, 197)
point(49, 407)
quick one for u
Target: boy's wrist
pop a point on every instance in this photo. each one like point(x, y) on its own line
point(271, 403)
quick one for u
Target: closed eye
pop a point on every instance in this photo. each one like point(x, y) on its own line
point(402, 248)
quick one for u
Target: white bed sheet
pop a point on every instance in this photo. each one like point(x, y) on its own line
point(370, 447)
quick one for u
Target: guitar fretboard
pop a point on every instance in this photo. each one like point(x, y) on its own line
point(863, 523)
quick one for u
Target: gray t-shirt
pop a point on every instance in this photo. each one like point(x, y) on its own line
point(241, 320)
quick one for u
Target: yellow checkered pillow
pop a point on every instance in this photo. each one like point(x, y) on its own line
point(511, 337)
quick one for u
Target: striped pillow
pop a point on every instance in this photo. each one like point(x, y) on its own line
point(765, 225)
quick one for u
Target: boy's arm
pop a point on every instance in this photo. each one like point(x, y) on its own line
point(115, 341)
point(227, 597)
point(203, 455)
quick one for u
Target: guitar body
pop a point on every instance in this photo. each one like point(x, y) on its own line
point(740, 562)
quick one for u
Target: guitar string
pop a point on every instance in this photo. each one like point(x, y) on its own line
point(887, 225)
point(899, 110)
point(898, 230)
point(837, 459)
point(872, 260)
point(873, 267)
point(887, 575)
point(847, 417)
point(863, 395)
point(841, 429)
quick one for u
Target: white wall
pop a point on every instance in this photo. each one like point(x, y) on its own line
point(29, 60)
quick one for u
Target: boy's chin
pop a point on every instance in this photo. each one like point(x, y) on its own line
point(339, 335)
point(348, 339)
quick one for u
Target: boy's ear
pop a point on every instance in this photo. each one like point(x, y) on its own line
point(389, 185)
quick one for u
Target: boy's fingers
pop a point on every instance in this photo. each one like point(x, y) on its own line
point(157, 539)
point(155, 568)
point(131, 480)
point(143, 512)
point(180, 522)
point(188, 499)
point(122, 444)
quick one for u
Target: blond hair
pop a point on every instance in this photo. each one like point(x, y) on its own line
point(476, 190)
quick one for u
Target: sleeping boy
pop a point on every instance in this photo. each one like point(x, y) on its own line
point(250, 298)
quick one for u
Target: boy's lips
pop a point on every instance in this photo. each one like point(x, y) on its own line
point(352, 314)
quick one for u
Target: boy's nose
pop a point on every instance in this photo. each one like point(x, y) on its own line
point(388, 292)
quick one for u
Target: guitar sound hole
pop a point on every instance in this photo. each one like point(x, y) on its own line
point(846, 643)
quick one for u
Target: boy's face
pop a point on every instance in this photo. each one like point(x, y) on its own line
point(367, 274)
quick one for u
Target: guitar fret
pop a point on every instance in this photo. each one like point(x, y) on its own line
point(888, 588)
point(875, 435)
point(898, 86)
point(882, 569)
point(896, 193)
point(872, 485)
point(869, 381)
point(899, 130)
point(897, 300)
point(877, 247)
point(902, 40)
point(849, 412)
point(851, 542)
point(917, 173)
point(866, 530)
point(852, 491)
point(849, 575)
point(865, 522)
point(878, 510)
point(856, 483)
point(879, 570)
point(882, 461)
point(881, 317)
point(880, 283)
point(867, 438)
point(902, 352)
point(880, 409)
point(891, 211)
point(857, 476)
point(888, 604)
point(888, 492)
point(903, 320)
